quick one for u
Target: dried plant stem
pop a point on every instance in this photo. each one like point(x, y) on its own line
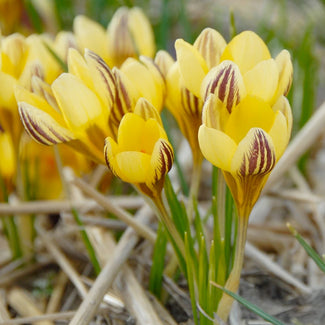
point(142, 230)
point(299, 145)
point(57, 293)
point(62, 261)
point(232, 283)
point(90, 304)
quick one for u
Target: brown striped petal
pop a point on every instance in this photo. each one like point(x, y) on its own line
point(104, 82)
point(211, 45)
point(146, 110)
point(42, 127)
point(255, 154)
point(226, 82)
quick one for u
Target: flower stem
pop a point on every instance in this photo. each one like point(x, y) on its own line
point(232, 283)
point(194, 189)
point(168, 223)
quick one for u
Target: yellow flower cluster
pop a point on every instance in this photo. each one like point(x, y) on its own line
point(228, 99)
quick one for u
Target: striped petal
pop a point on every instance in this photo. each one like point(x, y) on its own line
point(146, 110)
point(192, 66)
point(226, 82)
point(42, 127)
point(285, 68)
point(103, 79)
point(255, 154)
point(210, 44)
point(164, 61)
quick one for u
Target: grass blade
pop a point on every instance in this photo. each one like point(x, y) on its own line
point(250, 306)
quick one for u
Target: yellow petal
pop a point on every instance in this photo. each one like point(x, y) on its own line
point(91, 35)
point(8, 160)
point(252, 112)
point(142, 33)
point(246, 50)
point(211, 45)
point(192, 66)
point(146, 110)
point(262, 80)
point(226, 82)
point(79, 105)
point(133, 166)
point(110, 151)
point(78, 67)
point(279, 134)
point(7, 98)
point(285, 68)
point(164, 61)
point(42, 127)
point(217, 147)
point(255, 154)
point(283, 106)
point(211, 112)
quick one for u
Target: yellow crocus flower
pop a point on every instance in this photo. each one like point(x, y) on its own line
point(74, 109)
point(136, 79)
point(21, 58)
point(199, 64)
point(8, 160)
point(129, 34)
point(142, 154)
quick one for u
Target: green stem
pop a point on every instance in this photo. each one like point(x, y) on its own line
point(221, 199)
point(232, 283)
point(194, 189)
point(168, 223)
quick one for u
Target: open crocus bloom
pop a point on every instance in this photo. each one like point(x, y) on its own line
point(261, 75)
point(245, 143)
point(142, 154)
point(74, 109)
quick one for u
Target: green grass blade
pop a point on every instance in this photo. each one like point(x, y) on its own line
point(34, 16)
point(158, 262)
point(191, 276)
point(251, 306)
point(309, 250)
point(62, 64)
point(87, 243)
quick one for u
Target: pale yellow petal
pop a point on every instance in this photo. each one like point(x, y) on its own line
point(283, 61)
point(217, 147)
point(79, 105)
point(146, 110)
point(280, 134)
point(246, 50)
point(192, 66)
point(262, 80)
point(91, 35)
point(210, 44)
point(164, 61)
point(142, 33)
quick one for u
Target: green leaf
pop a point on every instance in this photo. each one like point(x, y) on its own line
point(251, 306)
point(309, 250)
point(158, 262)
point(88, 245)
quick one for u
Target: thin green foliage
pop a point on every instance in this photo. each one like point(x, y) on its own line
point(62, 64)
point(309, 250)
point(158, 262)
point(87, 243)
point(34, 16)
point(251, 306)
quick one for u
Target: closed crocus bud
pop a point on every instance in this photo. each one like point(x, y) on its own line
point(142, 154)
point(74, 109)
point(129, 35)
point(8, 160)
point(185, 107)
